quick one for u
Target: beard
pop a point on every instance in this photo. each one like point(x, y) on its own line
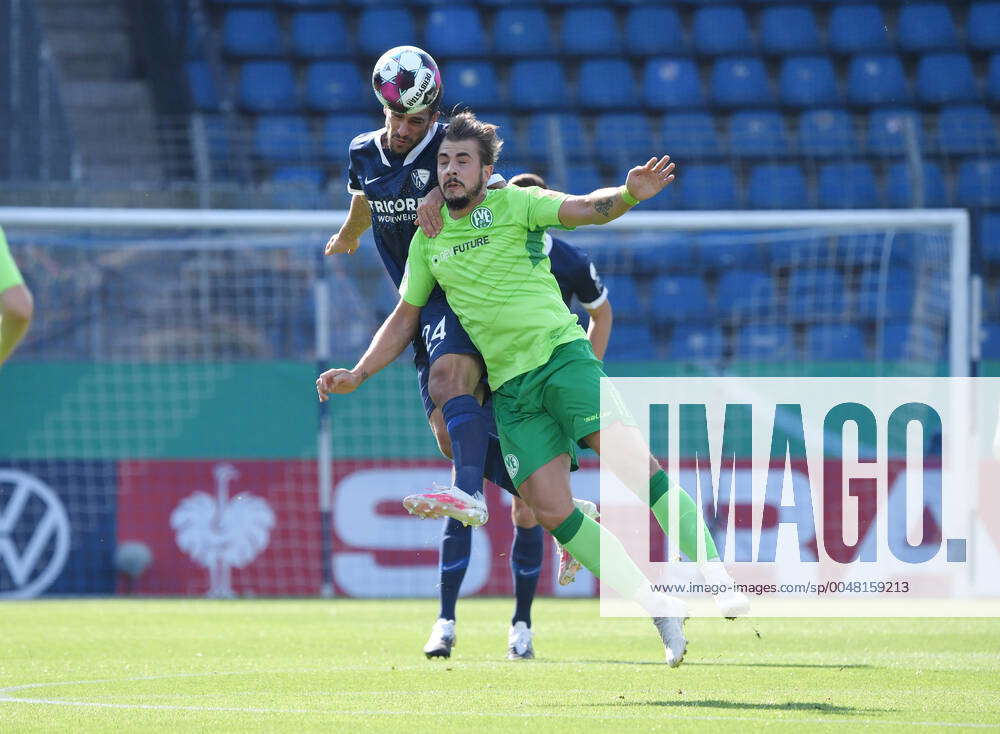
point(461, 201)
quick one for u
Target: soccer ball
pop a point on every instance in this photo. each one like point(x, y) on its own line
point(406, 80)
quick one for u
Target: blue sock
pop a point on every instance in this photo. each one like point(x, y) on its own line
point(456, 547)
point(469, 433)
point(495, 470)
point(525, 565)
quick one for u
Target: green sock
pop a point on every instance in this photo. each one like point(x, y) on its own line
point(583, 538)
point(660, 491)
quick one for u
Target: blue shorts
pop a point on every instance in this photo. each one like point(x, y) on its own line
point(440, 333)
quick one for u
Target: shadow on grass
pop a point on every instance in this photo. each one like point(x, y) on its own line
point(709, 663)
point(710, 703)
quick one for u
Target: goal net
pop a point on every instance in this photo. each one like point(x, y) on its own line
point(159, 431)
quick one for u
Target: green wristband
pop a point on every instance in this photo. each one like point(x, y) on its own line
point(627, 197)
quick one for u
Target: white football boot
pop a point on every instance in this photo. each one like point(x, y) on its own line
point(519, 643)
point(671, 631)
point(730, 602)
point(449, 502)
point(442, 639)
point(568, 565)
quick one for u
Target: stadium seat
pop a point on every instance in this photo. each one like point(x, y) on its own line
point(993, 79)
point(979, 183)
point(792, 253)
point(777, 187)
point(827, 133)
point(989, 237)
point(632, 343)
point(679, 299)
point(808, 81)
point(708, 186)
point(201, 86)
point(623, 139)
point(538, 85)
point(816, 294)
point(320, 34)
point(282, 138)
point(671, 84)
point(847, 185)
point(507, 132)
point(721, 30)
point(335, 86)
point(671, 253)
point(581, 179)
point(606, 84)
point(740, 82)
point(745, 294)
point(382, 28)
point(876, 80)
point(625, 296)
point(925, 26)
point(983, 26)
point(251, 32)
point(966, 129)
point(888, 134)
point(310, 177)
point(758, 133)
point(899, 186)
point(788, 29)
point(696, 344)
point(990, 346)
point(897, 302)
point(654, 30)
point(473, 84)
point(856, 28)
point(722, 251)
point(903, 340)
point(455, 31)
point(549, 132)
point(692, 132)
point(522, 31)
point(765, 343)
point(340, 129)
point(589, 30)
point(267, 86)
point(945, 78)
point(835, 342)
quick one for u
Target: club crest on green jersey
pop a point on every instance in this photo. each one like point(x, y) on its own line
point(481, 217)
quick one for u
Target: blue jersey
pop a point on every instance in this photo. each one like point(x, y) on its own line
point(575, 273)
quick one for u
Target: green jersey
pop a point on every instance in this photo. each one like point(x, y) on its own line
point(496, 277)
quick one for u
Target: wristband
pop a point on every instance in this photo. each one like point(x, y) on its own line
point(627, 197)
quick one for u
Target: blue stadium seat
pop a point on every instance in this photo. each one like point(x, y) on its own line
point(201, 86)
point(989, 237)
point(632, 343)
point(826, 133)
point(283, 138)
point(696, 344)
point(694, 133)
point(835, 342)
point(671, 84)
point(899, 186)
point(979, 183)
point(983, 26)
point(679, 299)
point(777, 187)
point(382, 28)
point(320, 34)
point(522, 31)
point(898, 297)
point(543, 130)
point(745, 294)
point(455, 31)
point(740, 82)
point(758, 133)
point(993, 79)
point(708, 186)
point(945, 78)
point(847, 185)
point(606, 84)
point(623, 139)
point(902, 340)
point(538, 85)
point(816, 294)
point(340, 129)
point(721, 251)
point(251, 32)
point(925, 27)
point(590, 30)
point(335, 86)
point(624, 295)
point(788, 29)
point(267, 86)
point(788, 253)
point(808, 81)
point(887, 131)
point(990, 348)
point(765, 343)
point(473, 84)
point(654, 30)
point(582, 178)
point(507, 132)
point(671, 253)
point(966, 129)
point(855, 28)
point(310, 177)
point(876, 80)
point(722, 30)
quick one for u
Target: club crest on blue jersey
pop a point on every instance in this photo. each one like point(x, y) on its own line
point(420, 177)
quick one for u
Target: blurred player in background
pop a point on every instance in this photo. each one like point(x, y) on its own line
point(16, 304)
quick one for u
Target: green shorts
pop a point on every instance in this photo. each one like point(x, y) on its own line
point(9, 274)
point(543, 413)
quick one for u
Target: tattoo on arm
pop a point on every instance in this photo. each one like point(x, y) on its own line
point(364, 375)
point(603, 206)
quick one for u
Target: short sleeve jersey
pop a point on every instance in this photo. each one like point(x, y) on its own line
point(497, 279)
point(575, 273)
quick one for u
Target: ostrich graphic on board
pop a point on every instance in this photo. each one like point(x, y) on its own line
point(219, 532)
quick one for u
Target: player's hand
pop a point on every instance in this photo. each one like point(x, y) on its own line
point(429, 213)
point(339, 243)
point(645, 182)
point(337, 382)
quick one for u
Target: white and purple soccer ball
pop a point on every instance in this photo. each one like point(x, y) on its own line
point(406, 79)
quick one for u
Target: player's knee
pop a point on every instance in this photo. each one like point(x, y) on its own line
point(522, 515)
point(18, 305)
point(452, 376)
point(550, 519)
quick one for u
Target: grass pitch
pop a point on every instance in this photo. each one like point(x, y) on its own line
point(356, 666)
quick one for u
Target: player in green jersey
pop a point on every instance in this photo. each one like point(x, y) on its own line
point(488, 260)
point(16, 305)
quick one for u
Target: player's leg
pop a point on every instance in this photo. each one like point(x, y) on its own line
point(525, 566)
point(456, 548)
point(16, 304)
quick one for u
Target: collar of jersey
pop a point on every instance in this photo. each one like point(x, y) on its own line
point(412, 155)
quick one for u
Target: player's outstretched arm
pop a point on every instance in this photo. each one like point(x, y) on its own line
point(359, 219)
point(599, 331)
point(604, 205)
point(391, 339)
